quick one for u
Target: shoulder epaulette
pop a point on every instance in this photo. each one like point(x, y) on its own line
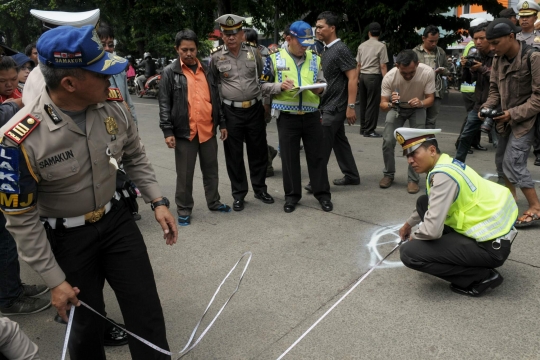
point(216, 49)
point(22, 129)
point(115, 95)
point(273, 51)
point(250, 44)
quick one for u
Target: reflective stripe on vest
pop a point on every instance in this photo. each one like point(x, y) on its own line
point(483, 210)
point(466, 87)
point(309, 70)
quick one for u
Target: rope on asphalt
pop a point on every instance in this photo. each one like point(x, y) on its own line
point(340, 300)
point(191, 343)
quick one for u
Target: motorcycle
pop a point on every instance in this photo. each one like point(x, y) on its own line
point(131, 85)
point(151, 87)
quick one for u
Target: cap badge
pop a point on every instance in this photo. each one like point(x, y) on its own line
point(308, 32)
point(525, 5)
point(400, 139)
point(111, 126)
point(115, 59)
point(96, 39)
point(230, 21)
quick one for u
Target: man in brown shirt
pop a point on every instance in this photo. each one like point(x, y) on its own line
point(59, 156)
point(515, 84)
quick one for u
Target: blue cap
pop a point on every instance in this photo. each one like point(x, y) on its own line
point(302, 31)
point(22, 59)
point(68, 47)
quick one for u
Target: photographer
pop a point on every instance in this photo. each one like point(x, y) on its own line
point(515, 84)
point(476, 68)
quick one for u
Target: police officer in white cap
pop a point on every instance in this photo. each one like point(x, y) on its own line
point(465, 222)
point(527, 11)
point(237, 66)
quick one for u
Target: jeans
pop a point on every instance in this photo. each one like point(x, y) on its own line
point(10, 278)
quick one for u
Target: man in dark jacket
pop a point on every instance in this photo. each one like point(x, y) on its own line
point(189, 120)
point(149, 66)
point(478, 72)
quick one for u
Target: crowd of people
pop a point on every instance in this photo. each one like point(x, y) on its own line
point(72, 81)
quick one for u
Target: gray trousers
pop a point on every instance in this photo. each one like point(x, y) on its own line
point(186, 156)
point(393, 121)
point(431, 114)
point(511, 157)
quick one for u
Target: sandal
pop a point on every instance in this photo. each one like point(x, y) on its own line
point(521, 221)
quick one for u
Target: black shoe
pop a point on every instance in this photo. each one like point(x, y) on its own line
point(373, 135)
point(479, 147)
point(493, 280)
point(265, 198)
point(238, 205)
point(537, 161)
point(469, 151)
point(346, 181)
point(273, 154)
point(289, 207)
point(308, 188)
point(114, 336)
point(326, 205)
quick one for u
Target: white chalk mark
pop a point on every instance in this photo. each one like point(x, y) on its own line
point(389, 235)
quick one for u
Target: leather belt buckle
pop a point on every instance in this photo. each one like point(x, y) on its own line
point(300, 113)
point(246, 104)
point(95, 215)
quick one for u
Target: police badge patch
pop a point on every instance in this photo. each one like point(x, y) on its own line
point(111, 126)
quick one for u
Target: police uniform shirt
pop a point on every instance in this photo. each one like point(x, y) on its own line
point(442, 194)
point(270, 87)
point(74, 172)
point(238, 75)
point(532, 39)
point(34, 85)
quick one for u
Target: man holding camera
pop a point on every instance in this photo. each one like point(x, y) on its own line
point(479, 71)
point(515, 78)
point(407, 90)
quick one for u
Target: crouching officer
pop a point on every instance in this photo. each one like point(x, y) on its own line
point(299, 116)
point(63, 148)
point(467, 221)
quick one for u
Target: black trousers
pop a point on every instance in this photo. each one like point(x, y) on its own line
point(454, 257)
point(469, 100)
point(111, 249)
point(291, 129)
point(246, 125)
point(335, 138)
point(369, 90)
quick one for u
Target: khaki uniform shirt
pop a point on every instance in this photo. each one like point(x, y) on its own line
point(371, 54)
point(444, 191)
point(34, 85)
point(74, 172)
point(14, 343)
point(517, 90)
point(532, 39)
point(423, 83)
point(238, 75)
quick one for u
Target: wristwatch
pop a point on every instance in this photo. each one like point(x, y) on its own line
point(351, 106)
point(163, 201)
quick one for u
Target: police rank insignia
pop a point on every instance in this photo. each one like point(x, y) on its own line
point(400, 139)
point(49, 109)
point(22, 129)
point(115, 95)
point(111, 126)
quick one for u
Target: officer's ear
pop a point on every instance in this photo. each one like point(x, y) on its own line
point(69, 83)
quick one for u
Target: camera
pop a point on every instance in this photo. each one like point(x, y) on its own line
point(471, 57)
point(489, 114)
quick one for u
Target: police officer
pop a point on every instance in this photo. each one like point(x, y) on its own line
point(299, 117)
point(467, 221)
point(237, 66)
point(528, 15)
point(64, 146)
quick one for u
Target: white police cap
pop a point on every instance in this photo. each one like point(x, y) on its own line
point(527, 8)
point(52, 19)
point(230, 23)
point(411, 139)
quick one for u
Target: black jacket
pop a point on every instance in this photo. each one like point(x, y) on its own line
point(149, 67)
point(173, 102)
point(7, 111)
point(481, 76)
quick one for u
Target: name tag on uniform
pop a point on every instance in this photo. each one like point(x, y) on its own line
point(282, 65)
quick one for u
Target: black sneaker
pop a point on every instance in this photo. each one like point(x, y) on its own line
point(34, 290)
point(25, 305)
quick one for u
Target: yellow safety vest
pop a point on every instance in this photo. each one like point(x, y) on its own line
point(483, 210)
point(285, 68)
point(466, 87)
